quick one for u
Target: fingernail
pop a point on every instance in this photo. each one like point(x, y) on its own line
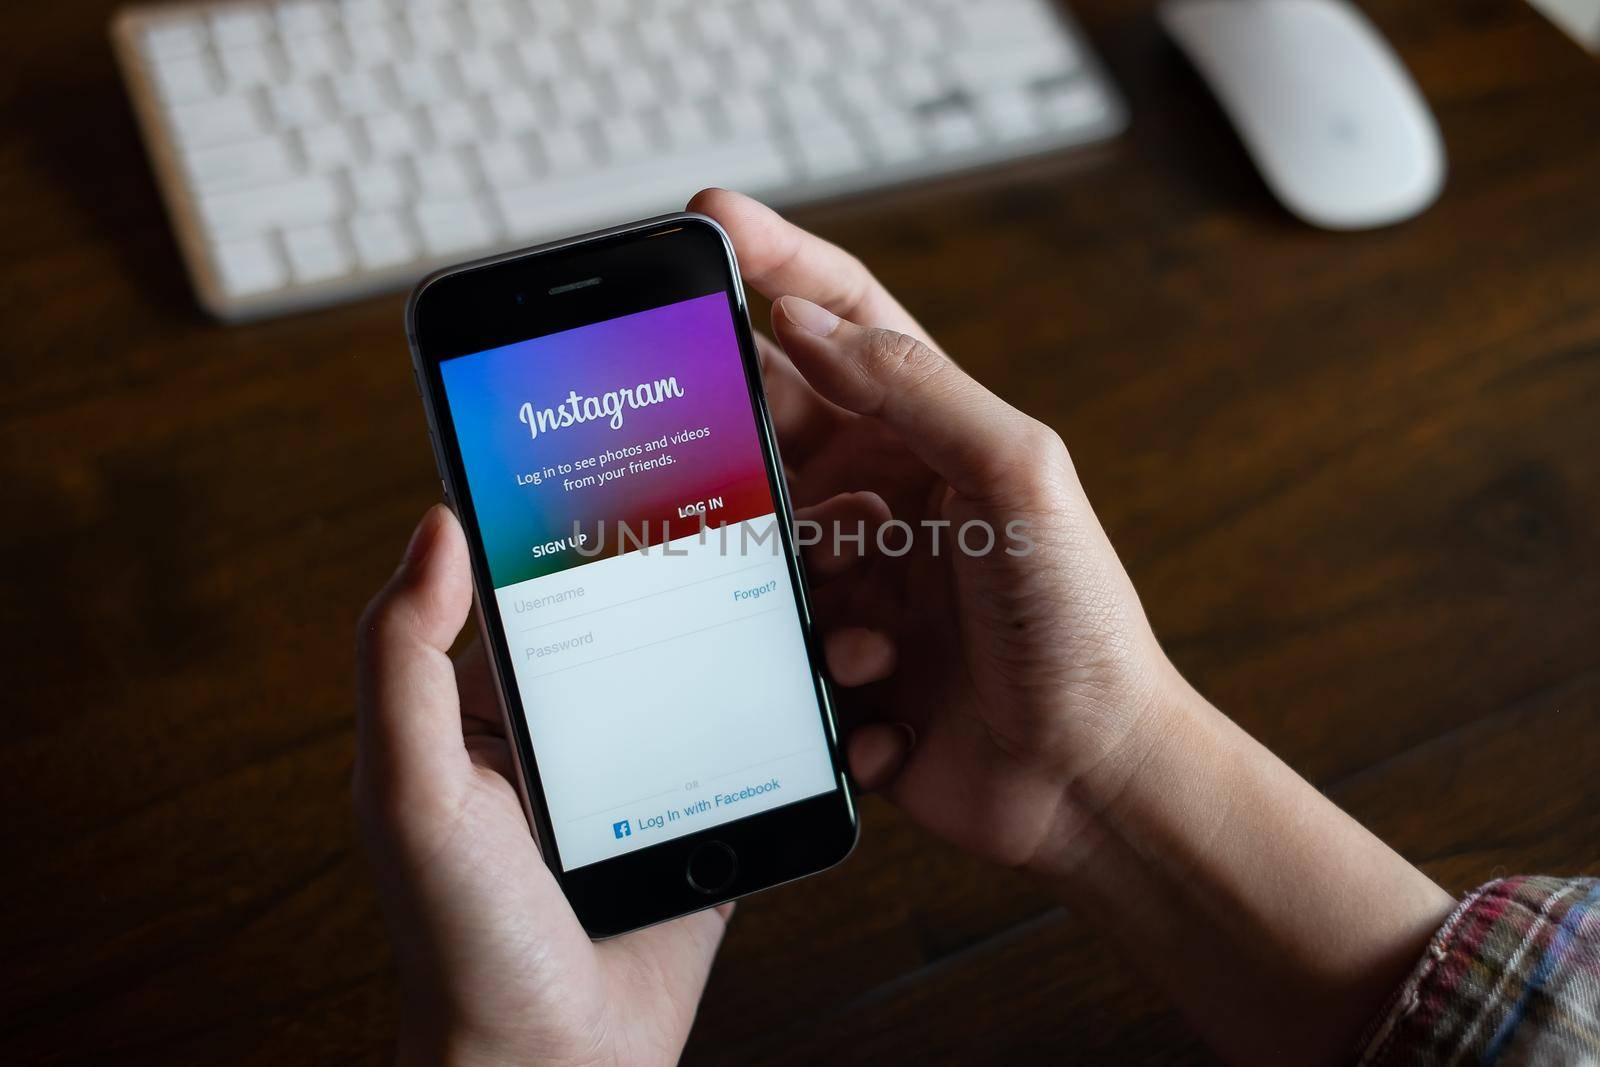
point(422, 537)
point(812, 318)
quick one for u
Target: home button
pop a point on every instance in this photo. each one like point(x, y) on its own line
point(712, 867)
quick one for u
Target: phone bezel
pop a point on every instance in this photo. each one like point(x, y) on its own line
point(473, 307)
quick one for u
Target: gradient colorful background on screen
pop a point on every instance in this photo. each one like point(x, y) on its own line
point(693, 341)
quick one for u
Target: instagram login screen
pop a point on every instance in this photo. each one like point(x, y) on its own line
point(619, 486)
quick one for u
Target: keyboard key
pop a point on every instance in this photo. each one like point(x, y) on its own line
point(600, 48)
point(552, 16)
point(860, 92)
point(566, 150)
point(828, 150)
point(841, 13)
point(328, 147)
point(540, 60)
point(984, 68)
point(493, 22)
point(296, 104)
point(803, 105)
point(437, 31)
point(745, 115)
point(1010, 112)
point(374, 43)
point(806, 55)
point(378, 186)
point(657, 36)
point(240, 24)
point(247, 65)
point(625, 138)
point(505, 163)
point(181, 79)
point(454, 122)
point(421, 80)
point(175, 37)
point(514, 111)
point(916, 84)
point(442, 176)
point(694, 77)
point(303, 17)
point(918, 34)
point(1072, 103)
point(686, 125)
point(359, 13)
point(249, 212)
point(317, 53)
point(890, 136)
point(775, 21)
point(755, 166)
point(358, 92)
point(382, 240)
point(316, 253)
point(391, 135)
point(634, 88)
point(249, 266)
point(575, 100)
point(547, 208)
point(870, 47)
point(715, 27)
point(753, 69)
point(612, 11)
point(242, 165)
point(486, 71)
point(454, 225)
point(217, 120)
point(951, 126)
point(1006, 22)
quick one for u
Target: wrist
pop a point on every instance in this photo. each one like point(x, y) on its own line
point(1165, 725)
point(1199, 851)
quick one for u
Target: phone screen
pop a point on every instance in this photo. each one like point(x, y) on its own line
point(621, 492)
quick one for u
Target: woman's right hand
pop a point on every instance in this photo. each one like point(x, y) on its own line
point(1018, 684)
point(1024, 710)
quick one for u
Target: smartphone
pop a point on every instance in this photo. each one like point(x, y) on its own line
point(598, 419)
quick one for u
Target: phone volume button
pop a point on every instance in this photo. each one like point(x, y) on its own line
point(433, 448)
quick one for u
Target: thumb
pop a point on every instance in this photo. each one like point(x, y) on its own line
point(985, 448)
point(409, 737)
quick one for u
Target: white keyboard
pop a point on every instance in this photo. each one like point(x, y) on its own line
point(312, 151)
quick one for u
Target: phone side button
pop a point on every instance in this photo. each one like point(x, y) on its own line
point(433, 450)
point(711, 867)
point(438, 468)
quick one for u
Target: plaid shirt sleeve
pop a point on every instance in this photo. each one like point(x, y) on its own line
point(1513, 977)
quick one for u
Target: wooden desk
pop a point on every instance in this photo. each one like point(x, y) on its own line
point(1356, 479)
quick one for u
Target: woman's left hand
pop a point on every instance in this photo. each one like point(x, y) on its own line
point(494, 966)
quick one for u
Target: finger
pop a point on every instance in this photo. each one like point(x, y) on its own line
point(803, 419)
point(877, 751)
point(837, 533)
point(974, 440)
point(777, 257)
point(409, 728)
point(858, 656)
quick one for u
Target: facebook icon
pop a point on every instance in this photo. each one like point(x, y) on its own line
point(619, 830)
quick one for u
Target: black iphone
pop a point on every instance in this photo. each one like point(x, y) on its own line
point(598, 418)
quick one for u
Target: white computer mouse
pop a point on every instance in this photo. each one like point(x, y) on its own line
point(1324, 106)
